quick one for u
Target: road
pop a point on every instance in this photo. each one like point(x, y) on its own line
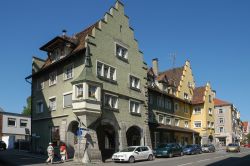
point(219, 158)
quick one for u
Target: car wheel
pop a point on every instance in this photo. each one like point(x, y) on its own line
point(131, 159)
point(150, 157)
point(182, 154)
point(170, 155)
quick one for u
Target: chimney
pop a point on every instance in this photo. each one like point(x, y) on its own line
point(64, 33)
point(155, 66)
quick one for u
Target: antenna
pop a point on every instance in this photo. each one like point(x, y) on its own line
point(173, 58)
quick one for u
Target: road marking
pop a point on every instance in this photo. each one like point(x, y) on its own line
point(185, 164)
point(202, 160)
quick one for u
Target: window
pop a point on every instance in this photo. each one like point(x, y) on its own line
point(185, 108)
point(39, 107)
point(52, 104)
point(176, 122)
point(55, 135)
point(212, 124)
point(197, 124)
point(40, 84)
point(221, 129)
point(134, 82)
point(161, 119)
point(197, 110)
point(176, 106)
point(134, 107)
point(68, 72)
point(11, 122)
point(79, 90)
point(210, 99)
point(210, 111)
point(160, 101)
point(106, 71)
point(151, 99)
point(52, 78)
point(121, 52)
point(220, 111)
point(92, 92)
point(221, 120)
point(186, 124)
point(67, 100)
point(23, 123)
point(168, 121)
point(186, 96)
point(208, 124)
point(111, 101)
point(167, 104)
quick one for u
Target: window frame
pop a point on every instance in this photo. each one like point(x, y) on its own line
point(11, 118)
point(65, 70)
point(139, 107)
point(55, 81)
point(125, 57)
point(195, 113)
point(112, 97)
point(135, 78)
point(199, 122)
point(102, 75)
point(178, 122)
point(25, 123)
point(186, 125)
point(163, 119)
point(50, 98)
point(67, 93)
point(42, 108)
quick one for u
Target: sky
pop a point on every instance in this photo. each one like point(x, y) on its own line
point(213, 35)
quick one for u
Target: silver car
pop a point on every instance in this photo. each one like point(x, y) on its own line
point(208, 148)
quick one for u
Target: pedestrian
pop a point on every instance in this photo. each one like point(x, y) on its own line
point(63, 152)
point(50, 151)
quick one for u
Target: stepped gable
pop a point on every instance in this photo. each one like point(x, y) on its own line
point(198, 95)
point(172, 76)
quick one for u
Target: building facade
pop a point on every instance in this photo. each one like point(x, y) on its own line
point(226, 122)
point(202, 118)
point(170, 115)
point(14, 127)
point(89, 93)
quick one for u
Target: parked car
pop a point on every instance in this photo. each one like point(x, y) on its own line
point(2, 145)
point(208, 148)
point(247, 145)
point(233, 148)
point(168, 150)
point(133, 153)
point(192, 149)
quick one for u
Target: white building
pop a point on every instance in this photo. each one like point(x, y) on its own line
point(14, 127)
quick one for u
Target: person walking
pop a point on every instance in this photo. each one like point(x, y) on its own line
point(50, 151)
point(63, 152)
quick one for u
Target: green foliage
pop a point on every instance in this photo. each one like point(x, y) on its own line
point(27, 108)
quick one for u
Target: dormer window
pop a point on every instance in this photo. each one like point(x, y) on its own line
point(121, 52)
point(57, 54)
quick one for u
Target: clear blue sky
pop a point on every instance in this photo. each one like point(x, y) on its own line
point(213, 34)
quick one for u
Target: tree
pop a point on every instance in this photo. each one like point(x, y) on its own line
point(27, 108)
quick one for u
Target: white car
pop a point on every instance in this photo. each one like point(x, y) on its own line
point(134, 153)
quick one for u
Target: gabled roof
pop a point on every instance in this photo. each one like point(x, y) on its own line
point(198, 95)
point(80, 37)
point(218, 102)
point(172, 76)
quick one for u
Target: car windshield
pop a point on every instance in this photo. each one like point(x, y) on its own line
point(165, 146)
point(188, 146)
point(232, 144)
point(129, 149)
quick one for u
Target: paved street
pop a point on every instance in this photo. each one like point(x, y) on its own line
point(210, 159)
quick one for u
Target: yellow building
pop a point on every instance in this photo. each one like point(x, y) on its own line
point(202, 119)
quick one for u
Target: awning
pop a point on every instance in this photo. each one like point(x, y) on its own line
point(174, 128)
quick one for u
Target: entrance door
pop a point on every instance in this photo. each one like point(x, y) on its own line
point(134, 136)
point(107, 140)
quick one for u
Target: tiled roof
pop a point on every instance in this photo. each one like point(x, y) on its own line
point(198, 95)
point(218, 102)
point(172, 76)
point(245, 124)
point(80, 37)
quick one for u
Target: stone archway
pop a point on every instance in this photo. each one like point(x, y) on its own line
point(107, 140)
point(133, 135)
point(72, 137)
